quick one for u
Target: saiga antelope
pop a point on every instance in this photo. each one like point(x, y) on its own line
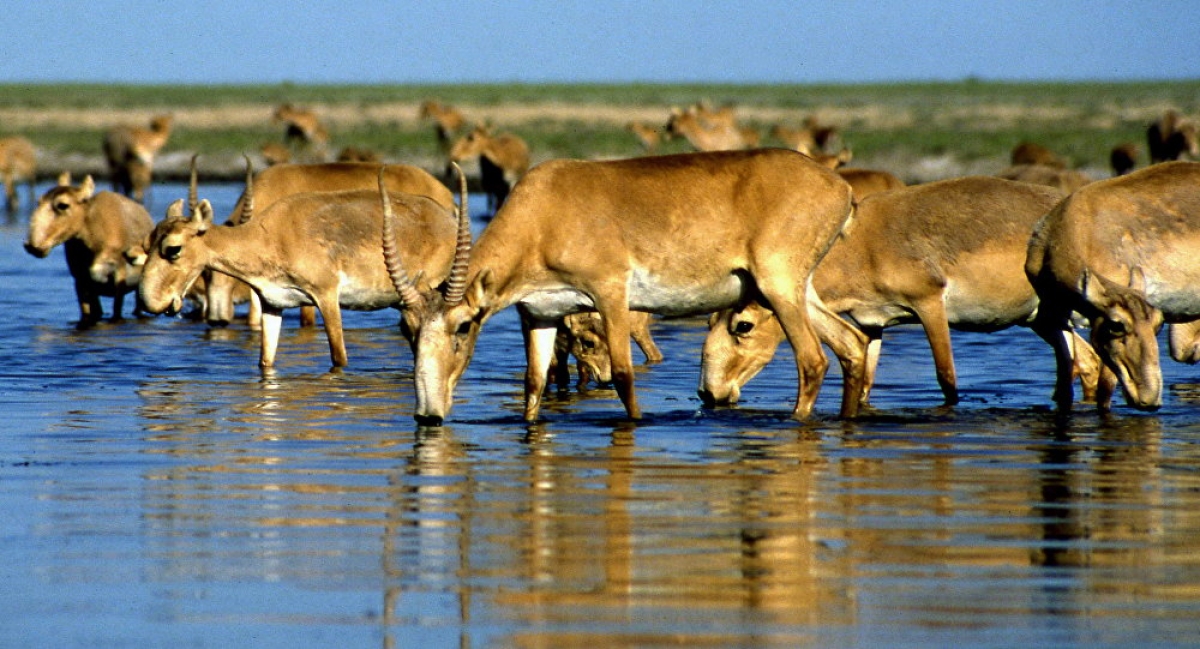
point(674, 235)
point(315, 249)
point(503, 159)
point(96, 230)
point(130, 152)
point(1124, 253)
point(18, 163)
point(279, 181)
point(947, 254)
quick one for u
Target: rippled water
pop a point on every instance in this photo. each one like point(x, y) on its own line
point(156, 490)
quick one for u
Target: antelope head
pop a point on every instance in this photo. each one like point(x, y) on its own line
point(58, 216)
point(441, 324)
point(176, 255)
point(739, 344)
point(1125, 334)
point(471, 144)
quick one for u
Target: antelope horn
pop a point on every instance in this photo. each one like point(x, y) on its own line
point(248, 200)
point(456, 285)
point(410, 297)
point(193, 197)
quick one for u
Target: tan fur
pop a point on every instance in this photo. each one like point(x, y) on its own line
point(812, 139)
point(674, 235)
point(1067, 180)
point(130, 153)
point(18, 163)
point(503, 160)
point(945, 254)
point(582, 335)
point(1031, 153)
point(448, 121)
point(357, 154)
point(647, 135)
point(313, 249)
point(279, 181)
point(1123, 253)
point(865, 182)
point(708, 130)
point(275, 153)
point(303, 130)
point(96, 229)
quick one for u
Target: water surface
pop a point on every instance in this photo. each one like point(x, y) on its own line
point(157, 490)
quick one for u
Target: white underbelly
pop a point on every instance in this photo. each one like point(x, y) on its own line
point(645, 293)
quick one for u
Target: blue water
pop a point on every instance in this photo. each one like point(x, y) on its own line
point(156, 490)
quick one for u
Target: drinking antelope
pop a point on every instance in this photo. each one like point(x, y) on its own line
point(18, 163)
point(1124, 253)
point(946, 254)
point(674, 235)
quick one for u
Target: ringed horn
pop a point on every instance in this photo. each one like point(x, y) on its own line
point(406, 287)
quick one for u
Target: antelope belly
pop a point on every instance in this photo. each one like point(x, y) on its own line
point(555, 303)
point(651, 292)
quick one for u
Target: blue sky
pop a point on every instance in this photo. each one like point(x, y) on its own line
point(455, 41)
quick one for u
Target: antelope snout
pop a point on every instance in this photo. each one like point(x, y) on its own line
point(40, 253)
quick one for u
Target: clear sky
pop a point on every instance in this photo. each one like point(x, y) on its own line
point(455, 41)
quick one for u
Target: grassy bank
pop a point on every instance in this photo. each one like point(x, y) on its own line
point(920, 130)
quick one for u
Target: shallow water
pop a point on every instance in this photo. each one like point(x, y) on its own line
point(156, 490)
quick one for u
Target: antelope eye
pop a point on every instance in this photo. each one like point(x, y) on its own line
point(743, 327)
point(463, 329)
point(588, 344)
point(62, 206)
point(171, 253)
point(1116, 328)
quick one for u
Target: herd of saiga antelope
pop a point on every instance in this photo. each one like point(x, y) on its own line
point(775, 243)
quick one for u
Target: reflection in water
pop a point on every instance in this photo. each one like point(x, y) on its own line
point(161, 490)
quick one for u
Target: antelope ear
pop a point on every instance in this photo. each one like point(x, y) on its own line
point(1137, 279)
point(175, 210)
point(64, 179)
point(136, 255)
point(1096, 289)
point(202, 216)
point(88, 188)
point(476, 294)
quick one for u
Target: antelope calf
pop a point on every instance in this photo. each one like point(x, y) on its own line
point(947, 254)
point(582, 335)
point(314, 249)
point(503, 160)
point(673, 235)
point(1125, 254)
point(130, 153)
point(279, 181)
point(96, 230)
point(18, 163)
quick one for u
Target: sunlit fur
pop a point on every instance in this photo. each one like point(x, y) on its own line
point(1125, 253)
point(944, 254)
point(130, 153)
point(97, 230)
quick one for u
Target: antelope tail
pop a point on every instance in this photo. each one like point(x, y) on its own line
point(456, 285)
point(410, 297)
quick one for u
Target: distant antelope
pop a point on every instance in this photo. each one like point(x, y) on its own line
point(706, 133)
point(1067, 180)
point(1125, 254)
point(1172, 137)
point(947, 254)
point(674, 235)
point(503, 160)
point(1123, 158)
point(303, 130)
point(647, 135)
point(130, 152)
point(96, 230)
point(18, 163)
point(1031, 153)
